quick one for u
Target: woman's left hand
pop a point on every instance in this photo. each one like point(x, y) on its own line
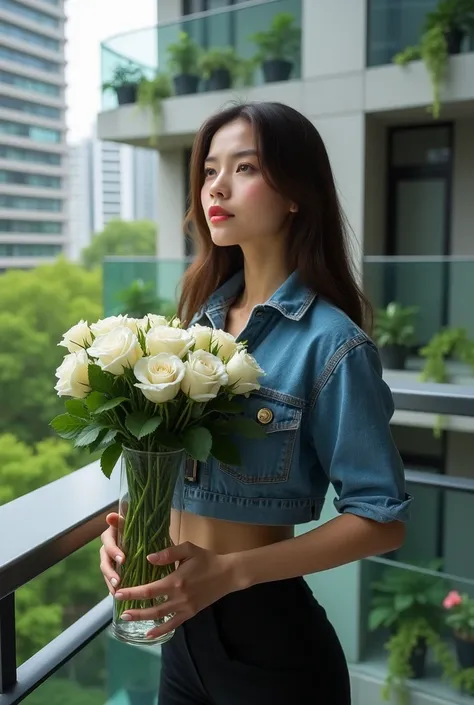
point(201, 579)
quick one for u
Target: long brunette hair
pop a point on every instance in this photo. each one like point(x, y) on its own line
point(295, 163)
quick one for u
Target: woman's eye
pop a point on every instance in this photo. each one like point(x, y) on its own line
point(208, 171)
point(245, 168)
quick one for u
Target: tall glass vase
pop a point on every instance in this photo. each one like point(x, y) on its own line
point(147, 484)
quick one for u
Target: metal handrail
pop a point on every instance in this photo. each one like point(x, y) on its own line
point(47, 525)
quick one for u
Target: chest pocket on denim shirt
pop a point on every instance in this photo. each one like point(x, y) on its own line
point(267, 460)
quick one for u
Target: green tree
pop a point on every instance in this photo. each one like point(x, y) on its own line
point(121, 238)
point(36, 308)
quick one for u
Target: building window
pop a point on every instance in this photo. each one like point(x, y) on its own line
point(21, 57)
point(26, 106)
point(32, 132)
point(42, 227)
point(29, 13)
point(29, 84)
point(29, 37)
point(29, 155)
point(26, 250)
point(25, 179)
point(25, 203)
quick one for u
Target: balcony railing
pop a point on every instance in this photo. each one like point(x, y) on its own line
point(46, 526)
point(441, 287)
point(393, 25)
point(147, 50)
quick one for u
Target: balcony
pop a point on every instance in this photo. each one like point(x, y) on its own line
point(84, 664)
point(393, 26)
point(146, 51)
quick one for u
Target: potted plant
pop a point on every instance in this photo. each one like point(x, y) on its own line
point(184, 56)
point(409, 604)
point(124, 83)
point(447, 343)
point(219, 68)
point(444, 31)
point(151, 93)
point(394, 332)
point(460, 618)
point(278, 47)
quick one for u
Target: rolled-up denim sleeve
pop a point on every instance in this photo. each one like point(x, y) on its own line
point(350, 424)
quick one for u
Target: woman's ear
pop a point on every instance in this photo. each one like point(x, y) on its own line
point(293, 208)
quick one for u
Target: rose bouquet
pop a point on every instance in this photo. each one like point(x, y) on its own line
point(155, 394)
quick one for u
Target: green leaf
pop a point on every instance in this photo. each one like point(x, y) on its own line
point(109, 459)
point(77, 408)
point(67, 426)
point(95, 400)
point(110, 404)
point(247, 427)
point(140, 424)
point(224, 451)
point(197, 442)
point(150, 426)
point(101, 381)
point(378, 617)
point(108, 439)
point(403, 602)
point(88, 435)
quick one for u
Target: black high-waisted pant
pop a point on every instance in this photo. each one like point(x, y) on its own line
point(271, 644)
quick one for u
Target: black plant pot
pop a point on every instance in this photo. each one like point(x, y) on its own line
point(418, 658)
point(454, 39)
point(127, 93)
point(464, 652)
point(394, 357)
point(185, 83)
point(143, 697)
point(277, 70)
point(219, 80)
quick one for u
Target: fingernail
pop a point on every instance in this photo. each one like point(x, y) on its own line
point(119, 595)
point(114, 582)
point(126, 617)
point(118, 559)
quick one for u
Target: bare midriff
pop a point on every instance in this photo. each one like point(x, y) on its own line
point(223, 537)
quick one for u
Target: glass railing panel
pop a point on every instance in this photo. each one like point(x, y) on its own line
point(440, 287)
point(146, 51)
point(160, 280)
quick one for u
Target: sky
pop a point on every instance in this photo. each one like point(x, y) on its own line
point(89, 23)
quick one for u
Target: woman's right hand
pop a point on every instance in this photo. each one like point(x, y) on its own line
point(110, 554)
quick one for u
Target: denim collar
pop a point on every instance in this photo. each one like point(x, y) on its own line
point(292, 299)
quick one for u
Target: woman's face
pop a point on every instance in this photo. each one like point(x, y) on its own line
point(240, 207)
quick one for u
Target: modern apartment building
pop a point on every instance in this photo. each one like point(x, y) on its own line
point(108, 181)
point(406, 182)
point(33, 191)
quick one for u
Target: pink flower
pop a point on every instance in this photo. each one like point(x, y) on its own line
point(452, 599)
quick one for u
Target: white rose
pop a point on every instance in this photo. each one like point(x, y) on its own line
point(153, 319)
point(159, 377)
point(174, 341)
point(227, 344)
point(205, 375)
point(244, 371)
point(105, 325)
point(73, 376)
point(202, 336)
point(77, 338)
point(116, 350)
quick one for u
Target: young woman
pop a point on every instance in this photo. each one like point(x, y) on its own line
point(273, 269)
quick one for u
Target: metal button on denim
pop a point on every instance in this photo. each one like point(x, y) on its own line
point(265, 416)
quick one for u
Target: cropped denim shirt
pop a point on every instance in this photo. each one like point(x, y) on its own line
point(326, 411)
